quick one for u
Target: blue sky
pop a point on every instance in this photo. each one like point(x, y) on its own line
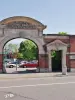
point(58, 15)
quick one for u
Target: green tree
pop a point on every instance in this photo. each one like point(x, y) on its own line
point(28, 49)
point(19, 55)
point(9, 47)
point(62, 33)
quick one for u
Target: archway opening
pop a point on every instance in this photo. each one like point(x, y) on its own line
point(20, 55)
point(57, 61)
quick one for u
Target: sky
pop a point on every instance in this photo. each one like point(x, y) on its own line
point(58, 15)
point(16, 41)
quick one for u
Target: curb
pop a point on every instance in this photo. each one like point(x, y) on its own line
point(31, 76)
point(26, 77)
point(41, 75)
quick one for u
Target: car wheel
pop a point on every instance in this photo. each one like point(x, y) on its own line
point(23, 66)
point(11, 66)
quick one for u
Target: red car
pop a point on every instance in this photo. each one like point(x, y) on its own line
point(29, 65)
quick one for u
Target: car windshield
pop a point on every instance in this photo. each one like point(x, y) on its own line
point(14, 63)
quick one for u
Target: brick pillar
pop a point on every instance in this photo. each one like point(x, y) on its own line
point(42, 61)
point(68, 63)
point(43, 65)
point(46, 61)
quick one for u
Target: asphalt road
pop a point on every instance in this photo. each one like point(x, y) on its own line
point(53, 88)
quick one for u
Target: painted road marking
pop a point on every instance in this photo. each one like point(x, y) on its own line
point(8, 96)
point(36, 85)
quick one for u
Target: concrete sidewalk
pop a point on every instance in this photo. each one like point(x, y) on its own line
point(33, 75)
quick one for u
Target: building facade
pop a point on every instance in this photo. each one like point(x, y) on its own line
point(28, 28)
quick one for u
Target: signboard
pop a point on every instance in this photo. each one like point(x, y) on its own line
point(72, 56)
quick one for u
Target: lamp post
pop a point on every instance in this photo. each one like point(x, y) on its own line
point(5, 56)
point(16, 61)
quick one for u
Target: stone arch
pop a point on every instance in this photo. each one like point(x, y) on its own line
point(9, 20)
point(28, 28)
point(38, 41)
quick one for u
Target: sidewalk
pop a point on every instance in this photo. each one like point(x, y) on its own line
point(33, 75)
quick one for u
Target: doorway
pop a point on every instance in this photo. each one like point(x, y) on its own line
point(57, 61)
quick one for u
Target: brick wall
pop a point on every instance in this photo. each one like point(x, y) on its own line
point(72, 49)
point(72, 43)
point(72, 63)
point(43, 61)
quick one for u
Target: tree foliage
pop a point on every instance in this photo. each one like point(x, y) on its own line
point(29, 50)
point(62, 33)
point(19, 55)
point(11, 48)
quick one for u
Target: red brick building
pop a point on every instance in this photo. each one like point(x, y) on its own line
point(70, 53)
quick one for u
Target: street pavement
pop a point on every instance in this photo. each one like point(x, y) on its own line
point(14, 70)
point(58, 87)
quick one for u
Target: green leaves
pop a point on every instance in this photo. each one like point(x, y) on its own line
point(29, 50)
point(62, 33)
point(11, 48)
point(53, 53)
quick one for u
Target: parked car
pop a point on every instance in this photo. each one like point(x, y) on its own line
point(30, 64)
point(12, 64)
point(22, 64)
